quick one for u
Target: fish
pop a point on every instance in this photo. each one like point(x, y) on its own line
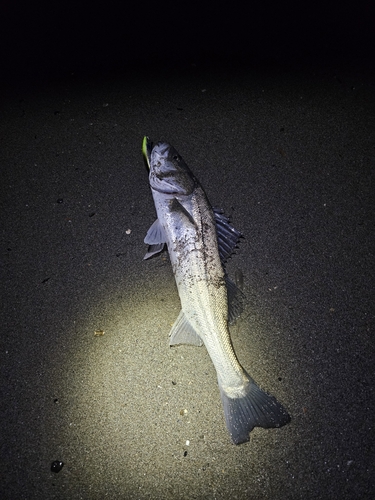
point(200, 239)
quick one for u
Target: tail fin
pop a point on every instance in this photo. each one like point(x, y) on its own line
point(255, 409)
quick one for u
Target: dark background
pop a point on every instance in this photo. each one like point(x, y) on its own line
point(49, 38)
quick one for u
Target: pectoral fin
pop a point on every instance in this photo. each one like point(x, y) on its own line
point(183, 333)
point(153, 250)
point(155, 238)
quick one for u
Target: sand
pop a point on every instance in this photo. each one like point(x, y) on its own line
point(289, 155)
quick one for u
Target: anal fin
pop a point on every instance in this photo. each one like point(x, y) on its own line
point(183, 333)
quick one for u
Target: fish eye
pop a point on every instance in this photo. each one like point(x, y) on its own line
point(176, 157)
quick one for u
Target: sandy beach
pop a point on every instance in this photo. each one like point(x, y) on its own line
point(289, 154)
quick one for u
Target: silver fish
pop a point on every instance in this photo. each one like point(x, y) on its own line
point(199, 240)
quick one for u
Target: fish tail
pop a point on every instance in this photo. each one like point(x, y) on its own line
point(255, 409)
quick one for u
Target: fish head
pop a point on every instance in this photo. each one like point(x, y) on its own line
point(169, 174)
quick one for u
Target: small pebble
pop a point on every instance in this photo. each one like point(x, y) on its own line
point(56, 466)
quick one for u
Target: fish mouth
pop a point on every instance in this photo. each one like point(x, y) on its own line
point(146, 150)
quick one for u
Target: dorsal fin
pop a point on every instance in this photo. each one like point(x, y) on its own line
point(236, 299)
point(227, 236)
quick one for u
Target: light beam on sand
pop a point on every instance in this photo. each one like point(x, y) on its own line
point(134, 402)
